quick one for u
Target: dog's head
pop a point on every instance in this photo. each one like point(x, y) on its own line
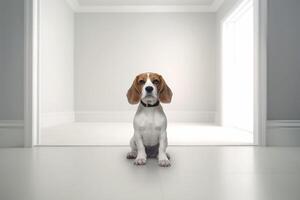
point(149, 88)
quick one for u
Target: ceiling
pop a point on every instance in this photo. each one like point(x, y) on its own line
point(145, 5)
point(143, 2)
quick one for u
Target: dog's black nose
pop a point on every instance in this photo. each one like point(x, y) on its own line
point(149, 89)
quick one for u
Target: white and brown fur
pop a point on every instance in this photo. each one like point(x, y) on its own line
point(150, 122)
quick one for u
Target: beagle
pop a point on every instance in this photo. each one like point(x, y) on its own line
point(150, 122)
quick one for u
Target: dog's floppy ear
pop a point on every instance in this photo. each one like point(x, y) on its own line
point(133, 95)
point(165, 93)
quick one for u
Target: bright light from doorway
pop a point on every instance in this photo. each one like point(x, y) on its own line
point(238, 68)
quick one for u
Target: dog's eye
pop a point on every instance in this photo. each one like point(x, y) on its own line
point(156, 82)
point(142, 82)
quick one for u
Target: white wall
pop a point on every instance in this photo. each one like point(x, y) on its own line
point(11, 72)
point(11, 59)
point(284, 60)
point(111, 49)
point(283, 72)
point(56, 62)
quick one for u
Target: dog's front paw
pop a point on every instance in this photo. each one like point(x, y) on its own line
point(140, 161)
point(164, 163)
point(131, 155)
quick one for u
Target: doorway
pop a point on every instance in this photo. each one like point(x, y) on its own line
point(237, 68)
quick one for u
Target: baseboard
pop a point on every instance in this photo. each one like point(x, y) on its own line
point(283, 132)
point(127, 116)
point(11, 133)
point(56, 118)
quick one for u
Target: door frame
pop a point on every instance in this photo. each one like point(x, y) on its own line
point(260, 68)
point(260, 73)
point(31, 73)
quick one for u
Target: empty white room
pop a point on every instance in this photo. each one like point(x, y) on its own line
point(88, 57)
point(144, 99)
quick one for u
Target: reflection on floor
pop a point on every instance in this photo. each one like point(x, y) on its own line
point(196, 173)
point(120, 134)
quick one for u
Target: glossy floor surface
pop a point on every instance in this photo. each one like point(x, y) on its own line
point(208, 173)
point(120, 134)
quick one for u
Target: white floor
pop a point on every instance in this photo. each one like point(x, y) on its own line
point(96, 173)
point(120, 134)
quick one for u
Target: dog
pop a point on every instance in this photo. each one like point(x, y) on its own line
point(150, 122)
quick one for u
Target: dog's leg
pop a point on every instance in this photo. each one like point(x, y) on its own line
point(141, 153)
point(133, 153)
point(163, 159)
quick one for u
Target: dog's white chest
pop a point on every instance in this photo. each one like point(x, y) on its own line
point(150, 125)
